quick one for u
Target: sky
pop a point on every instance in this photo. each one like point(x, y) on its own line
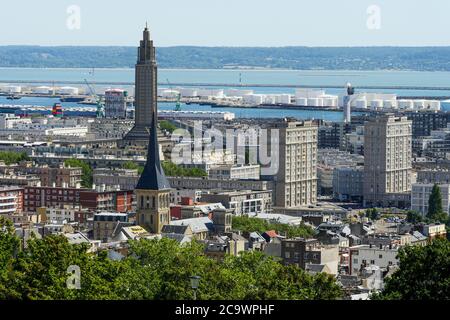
point(227, 22)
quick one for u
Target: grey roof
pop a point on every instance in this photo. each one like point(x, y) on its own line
point(178, 229)
point(315, 267)
point(153, 177)
point(76, 238)
point(417, 236)
point(201, 224)
point(180, 238)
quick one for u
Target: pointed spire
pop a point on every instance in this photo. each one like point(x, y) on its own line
point(153, 177)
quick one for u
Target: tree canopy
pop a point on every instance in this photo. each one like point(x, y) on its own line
point(249, 224)
point(173, 170)
point(87, 177)
point(423, 274)
point(11, 157)
point(435, 210)
point(153, 269)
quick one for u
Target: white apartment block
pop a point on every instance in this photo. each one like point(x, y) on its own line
point(243, 172)
point(420, 195)
point(296, 181)
point(387, 163)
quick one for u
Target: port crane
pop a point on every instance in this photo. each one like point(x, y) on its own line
point(100, 106)
point(178, 102)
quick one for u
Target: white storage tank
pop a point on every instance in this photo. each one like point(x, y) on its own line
point(320, 102)
point(405, 104)
point(270, 99)
point(433, 105)
point(300, 101)
point(170, 94)
point(42, 90)
point(309, 93)
point(419, 104)
point(390, 104)
point(376, 104)
point(330, 101)
point(237, 92)
point(211, 93)
point(285, 98)
point(13, 89)
point(253, 98)
point(313, 102)
point(361, 104)
point(68, 91)
point(188, 92)
point(160, 91)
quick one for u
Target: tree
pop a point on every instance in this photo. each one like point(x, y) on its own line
point(133, 166)
point(423, 273)
point(435, 201)
point(248, 224)
point(9, 247)
point(11, 157)
point(166, 125)
point(435, 210)
point(414, 217)
point(173, 170)
point(87, 177)
point(153, 269)
point(372, 214)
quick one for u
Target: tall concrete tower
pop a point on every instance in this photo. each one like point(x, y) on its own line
point(145, 91)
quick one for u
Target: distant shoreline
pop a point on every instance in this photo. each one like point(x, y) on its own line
point(231, 70)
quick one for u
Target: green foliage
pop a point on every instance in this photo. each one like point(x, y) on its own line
point(9, 246)
point(423, 273)
point(435, 202)
point(372, 214)
point(166, 125)
point(414, 217)
point(172, 170)
point(154, 269)
point(248, 224)
point(10, 157)
point(87, 177)
point(133, 166)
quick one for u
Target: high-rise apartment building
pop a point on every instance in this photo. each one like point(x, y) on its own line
point(296, 180)
point(115, 103)
point(387, 161)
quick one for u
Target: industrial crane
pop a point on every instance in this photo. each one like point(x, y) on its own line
point(178, 103)
point(100, 106)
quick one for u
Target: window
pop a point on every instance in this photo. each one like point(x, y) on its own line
point(372, 261)
point(380, 256)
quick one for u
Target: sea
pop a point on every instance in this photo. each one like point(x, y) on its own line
point(263, 78)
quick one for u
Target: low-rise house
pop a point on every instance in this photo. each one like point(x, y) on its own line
point(433, 231)
point(365, 255)
point(302, 252)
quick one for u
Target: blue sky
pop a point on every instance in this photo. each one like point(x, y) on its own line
point(227, 22)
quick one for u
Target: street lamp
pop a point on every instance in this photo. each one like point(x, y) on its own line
point(195, 281)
